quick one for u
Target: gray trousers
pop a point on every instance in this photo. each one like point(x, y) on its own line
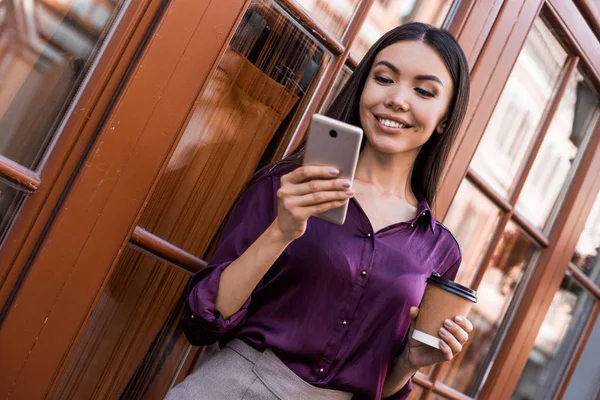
point(240, 372)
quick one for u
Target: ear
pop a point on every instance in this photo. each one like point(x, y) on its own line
point(441, 128)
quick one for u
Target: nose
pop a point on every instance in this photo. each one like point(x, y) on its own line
point(398, 99)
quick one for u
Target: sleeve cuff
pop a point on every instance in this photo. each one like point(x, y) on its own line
point(202, 300)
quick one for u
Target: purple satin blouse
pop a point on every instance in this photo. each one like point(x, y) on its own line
point(334, 306)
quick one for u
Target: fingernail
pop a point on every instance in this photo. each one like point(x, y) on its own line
point(346, 184)
point(350, 192)
point(333, 171)
point(459, 319)
point(443, 332)
point(448, 323)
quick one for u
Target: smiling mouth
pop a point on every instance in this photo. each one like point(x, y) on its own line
point(392, 124)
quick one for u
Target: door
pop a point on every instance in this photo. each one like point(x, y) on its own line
point(192, 98)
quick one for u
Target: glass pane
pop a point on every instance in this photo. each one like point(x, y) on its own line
point(11, 200)
point(385, 15)
point(248, 111)
point(340, 81)
point(473, 219)
point(555, 342)
point(588, 246)
point(585, 382)
point(334, 15)
point(50, 45)
point(514, 123)
point(132, 345)
point(512, 257)
point(565, 139)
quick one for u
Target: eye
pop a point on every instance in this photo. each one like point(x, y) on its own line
point(424, 93)
point(382, 79)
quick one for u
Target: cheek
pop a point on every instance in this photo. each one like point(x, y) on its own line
point(429, 115)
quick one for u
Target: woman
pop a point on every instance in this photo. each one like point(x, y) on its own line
point(309, 309)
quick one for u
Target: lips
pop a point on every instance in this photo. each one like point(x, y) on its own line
point(392, 122)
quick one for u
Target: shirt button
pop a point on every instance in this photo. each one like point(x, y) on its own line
point(369, 234)
point(321, 370)
point(344, 323)
point(424, 212)
point(412, 225)
point(363, 273)
point(192, 317)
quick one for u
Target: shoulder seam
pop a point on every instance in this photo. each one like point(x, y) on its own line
point(452, 235)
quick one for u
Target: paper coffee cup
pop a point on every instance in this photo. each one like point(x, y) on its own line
point(443, 299)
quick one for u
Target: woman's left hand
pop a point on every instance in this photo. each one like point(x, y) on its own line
point(454, 334)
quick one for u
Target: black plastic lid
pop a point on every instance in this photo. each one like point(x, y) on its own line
point(453, 287)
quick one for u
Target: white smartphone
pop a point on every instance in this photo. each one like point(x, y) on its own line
point(333, 143)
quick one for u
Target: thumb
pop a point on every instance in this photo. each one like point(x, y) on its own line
point(413, 313)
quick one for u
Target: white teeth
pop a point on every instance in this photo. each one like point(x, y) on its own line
point(390, 123)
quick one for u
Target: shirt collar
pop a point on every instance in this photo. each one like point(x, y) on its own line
point(424, 211)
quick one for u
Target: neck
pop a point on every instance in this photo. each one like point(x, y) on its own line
point(389, 173)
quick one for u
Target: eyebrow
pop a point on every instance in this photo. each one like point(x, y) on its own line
point(418, 77)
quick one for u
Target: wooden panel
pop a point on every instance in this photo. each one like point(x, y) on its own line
point(477, 26)
point(132, 332)
point(66, 278)
point(550, 269)
point(85, 115)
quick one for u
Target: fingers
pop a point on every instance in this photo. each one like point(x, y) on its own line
point(454, 336)
point(450, 342)
point(457, 331)
point(322, 197)
point(319, 185)
point(321, 208)
point(464, 323)
point(446, 351)
point(308, 172)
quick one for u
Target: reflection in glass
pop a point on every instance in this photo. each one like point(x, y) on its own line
point(472, 218)
point(47, 45)
point(511, 259)
point(247, 112)
point(565, 138)
point(332, 14)
point(585, 381)
point(586, 256)
point(132, 345)
point(11, 200)
point(555, 342)
point(514, 123)
point(385, 15)
point(339, 83)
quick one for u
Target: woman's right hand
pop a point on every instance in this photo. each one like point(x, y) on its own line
point(305, 192)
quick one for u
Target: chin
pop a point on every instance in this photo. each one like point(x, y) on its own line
point(388, 145)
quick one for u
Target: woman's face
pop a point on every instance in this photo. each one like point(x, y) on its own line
point(405, 98)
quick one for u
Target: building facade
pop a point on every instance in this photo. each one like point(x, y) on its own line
point(129, 126)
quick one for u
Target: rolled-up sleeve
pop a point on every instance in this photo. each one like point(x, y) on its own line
point(252, 215)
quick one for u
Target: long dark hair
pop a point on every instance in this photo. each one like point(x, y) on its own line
point(432, 157)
